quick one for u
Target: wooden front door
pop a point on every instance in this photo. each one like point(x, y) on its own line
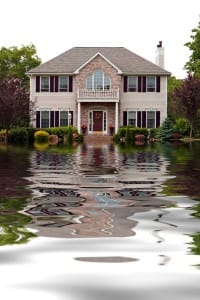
point(97, 120)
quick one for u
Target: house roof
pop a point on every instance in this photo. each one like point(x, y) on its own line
point(122, 59)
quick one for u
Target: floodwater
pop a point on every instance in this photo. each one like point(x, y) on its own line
point(100, 221)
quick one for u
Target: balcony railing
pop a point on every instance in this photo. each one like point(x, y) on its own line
point(84, 94)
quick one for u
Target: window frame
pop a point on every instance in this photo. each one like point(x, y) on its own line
point(42, 119)
point(149, 87)
point(42, 86)
point(66, 89)
point(153, 120)
point(92, 81)
point(128, 118)
point(135, 88)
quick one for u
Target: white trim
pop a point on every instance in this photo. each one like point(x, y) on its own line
point(93, 57)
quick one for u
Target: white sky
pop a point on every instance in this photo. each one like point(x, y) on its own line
point(55, 26)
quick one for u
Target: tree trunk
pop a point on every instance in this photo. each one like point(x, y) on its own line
point(191, 128)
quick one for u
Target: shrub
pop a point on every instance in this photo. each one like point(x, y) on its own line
point(18, 135)
point(153, 133)
point(41, 136)
point(127, 134)
point(182, 126)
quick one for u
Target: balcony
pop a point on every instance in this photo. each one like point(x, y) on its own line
point(84, 95)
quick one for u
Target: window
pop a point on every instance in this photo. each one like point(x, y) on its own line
point(45, 119)
point(131, 118)
point(150, 119)
point(132, 83)
point(65, 118)
point(44, 83)
point(151, 83)
point(63, 83)
point(98, 81)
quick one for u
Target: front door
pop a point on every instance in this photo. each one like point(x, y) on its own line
point(97, 120)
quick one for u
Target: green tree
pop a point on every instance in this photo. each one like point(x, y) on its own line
point(166, 130)
point(172, 84)
point(187, 99)
point(193, 65)
point(15, 107)
point(15, 62)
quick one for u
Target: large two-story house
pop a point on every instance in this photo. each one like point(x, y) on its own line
point(99, 88)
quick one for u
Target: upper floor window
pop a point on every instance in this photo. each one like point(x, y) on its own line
point(63, 83)
point(151, 83)
point(132, 84)
point(98, 81)
point(44, 83)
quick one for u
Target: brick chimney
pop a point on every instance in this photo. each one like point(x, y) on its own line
point(160, 55)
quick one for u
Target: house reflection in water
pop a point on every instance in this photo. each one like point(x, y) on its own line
point(94, 192)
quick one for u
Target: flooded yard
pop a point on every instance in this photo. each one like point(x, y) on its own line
point(100, 221)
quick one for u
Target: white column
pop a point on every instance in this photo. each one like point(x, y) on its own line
point(116, 117)
point(79, 117)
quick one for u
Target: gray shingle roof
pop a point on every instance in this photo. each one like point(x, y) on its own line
point(125, 60)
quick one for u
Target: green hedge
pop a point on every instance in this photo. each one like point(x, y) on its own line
point(26, 135)
point(18, 135)
point(127, 134)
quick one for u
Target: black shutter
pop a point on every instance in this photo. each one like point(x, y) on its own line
point(124, 118)
point(37, 83)
point(139, 84)
point(125, 83)
point(51, 83)
point(139, 123)
point(70, 84)
point(52, 118)
point(158, 84)
point(144, 85)
point(143, 119)
point(56, 83)
point(157, 119)
point(72, 121)
point(37, 119)
point(57, 118)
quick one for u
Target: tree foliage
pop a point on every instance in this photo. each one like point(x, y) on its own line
point(186, 99)
point(172, 84)
point(166, 130)
point(193, 65)
point(14, 103)
point(15, 62)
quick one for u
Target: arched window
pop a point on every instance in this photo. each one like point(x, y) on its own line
point(98, 81)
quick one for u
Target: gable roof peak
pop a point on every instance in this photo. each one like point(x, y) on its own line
point(93, 57)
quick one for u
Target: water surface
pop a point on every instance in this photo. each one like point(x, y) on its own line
point(100, 222)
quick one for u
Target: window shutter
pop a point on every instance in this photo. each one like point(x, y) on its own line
point(139, 84)
point(157, 119)
point(37, 83)
point(57, 118)
point(139, 119)
point(71, 112)
point(158, 84)
point(124, 118)
point(144, 86)
point(70, 84)
point(125, 83)
point(51, 83)
point(56, 83)
point(37, 119)
point(52, 118)
point(143, 119)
